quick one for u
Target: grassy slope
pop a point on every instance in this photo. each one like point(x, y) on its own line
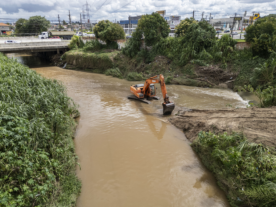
point(37, 156)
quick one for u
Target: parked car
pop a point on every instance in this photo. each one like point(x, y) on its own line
point(55, 37)
point(234, 33)
point(11, 41)
point(128, 37)
point(226, 31)
point(218, 31)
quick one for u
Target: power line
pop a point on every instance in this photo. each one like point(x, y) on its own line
point(99, 8)
point(122, 6)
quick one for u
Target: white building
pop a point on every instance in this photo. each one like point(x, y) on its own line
point(173, 21)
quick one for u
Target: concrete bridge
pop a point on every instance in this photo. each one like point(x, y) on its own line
point(35, 46)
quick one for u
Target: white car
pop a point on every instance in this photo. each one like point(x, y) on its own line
point(11, 41)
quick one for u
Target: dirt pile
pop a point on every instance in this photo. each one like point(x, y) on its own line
point(257, 124)
point(215, 75)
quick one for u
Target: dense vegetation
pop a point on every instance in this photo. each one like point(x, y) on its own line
point(262, 36)
point(37, 159)
point(246, 171)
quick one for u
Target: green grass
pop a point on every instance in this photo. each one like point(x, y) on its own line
point(240, 40)
point(37, 158)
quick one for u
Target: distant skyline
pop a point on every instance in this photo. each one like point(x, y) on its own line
point(121, 9)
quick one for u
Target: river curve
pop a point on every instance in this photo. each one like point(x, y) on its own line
point(130, 155)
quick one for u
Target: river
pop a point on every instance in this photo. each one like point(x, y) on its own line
point(130, 155)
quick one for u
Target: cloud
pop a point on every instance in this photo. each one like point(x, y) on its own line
point(256, 1)
point(121, 9)
point(10, 8)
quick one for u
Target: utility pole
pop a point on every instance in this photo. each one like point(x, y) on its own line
point(193, 14)
point(202, 16)
point(81, 24)
point(59, 22)
point(210, 16)
point(70, 20)
point(243, 23)
point(252, 17)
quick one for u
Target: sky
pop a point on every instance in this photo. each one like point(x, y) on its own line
point(120, 9)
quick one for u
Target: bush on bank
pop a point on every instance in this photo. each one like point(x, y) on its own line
point(245, 171)
point(85, 60)
point(37, 159)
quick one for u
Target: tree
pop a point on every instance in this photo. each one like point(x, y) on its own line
point(262, 36)
point(64, 22)
point(19, 25)
point(108, 31)
point(153, 27)
point(34, 25)
point(183, 26)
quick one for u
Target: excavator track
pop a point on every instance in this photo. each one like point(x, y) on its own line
point(132, 97)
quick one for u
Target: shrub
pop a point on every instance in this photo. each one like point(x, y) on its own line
point(89, 60)
point(264, 74)
point(168, 80)
point(134, 76)
point(266, 96)
point(245, 171)
point(38, 162)
point(182, 28)
point(115, 72)
point(75, 43)
point(262, 36)
point(93, 45)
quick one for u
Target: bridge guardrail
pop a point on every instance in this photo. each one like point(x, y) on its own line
point(23, 40)
point(29, 44)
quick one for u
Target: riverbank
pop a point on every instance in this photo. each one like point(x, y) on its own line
point(238, 146)
point(196, 73)
point(38, 160)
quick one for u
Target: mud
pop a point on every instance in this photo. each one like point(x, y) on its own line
point(258, 124)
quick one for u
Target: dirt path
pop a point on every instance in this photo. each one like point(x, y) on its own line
point(258, 124)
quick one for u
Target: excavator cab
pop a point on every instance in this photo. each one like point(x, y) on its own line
point(148, 90)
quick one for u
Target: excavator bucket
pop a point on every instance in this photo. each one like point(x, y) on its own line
point(168, 108)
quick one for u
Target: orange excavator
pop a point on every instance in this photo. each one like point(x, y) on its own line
point(148, 91)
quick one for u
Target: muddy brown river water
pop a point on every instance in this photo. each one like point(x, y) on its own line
point(130, 155)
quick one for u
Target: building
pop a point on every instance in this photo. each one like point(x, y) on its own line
point(226, 23)
point(4, 29)
point(173, 21)
point(130, 25)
